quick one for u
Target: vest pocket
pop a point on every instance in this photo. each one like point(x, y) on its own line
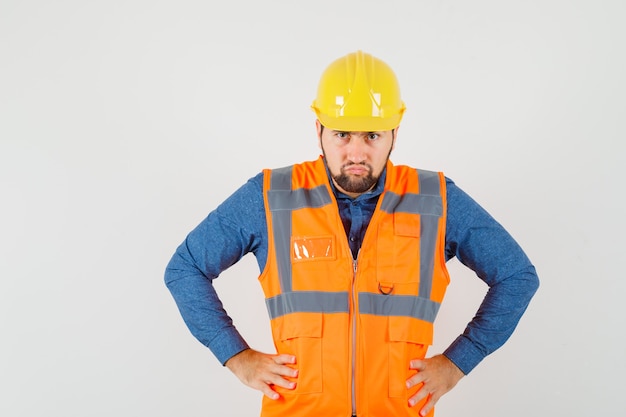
point(300, 334)
point(312, 248)
point(398, 247)
point(409, 339)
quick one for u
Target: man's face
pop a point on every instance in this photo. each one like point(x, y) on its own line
point(355, 159)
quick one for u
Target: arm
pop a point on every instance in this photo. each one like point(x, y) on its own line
point(483, 245)
point(235, 228)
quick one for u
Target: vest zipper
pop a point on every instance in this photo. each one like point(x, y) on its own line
point(354, 265)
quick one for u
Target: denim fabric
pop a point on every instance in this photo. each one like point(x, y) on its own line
point(356, 213)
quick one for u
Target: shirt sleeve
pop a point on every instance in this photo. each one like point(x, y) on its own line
point(235, 228)
point(483, 245)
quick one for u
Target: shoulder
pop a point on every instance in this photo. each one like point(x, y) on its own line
point(457, 197)
point(245, 200)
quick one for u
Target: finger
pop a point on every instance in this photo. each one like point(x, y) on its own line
point(271, 380)
point(269, 392)
point(428, 406)
point(282, 382)
point(417, 364)
point(419, 396)
point(283, 370)
point(416, 379)
point(266, 385)
point(278, 372)
point(284, 359)
point(280, 365)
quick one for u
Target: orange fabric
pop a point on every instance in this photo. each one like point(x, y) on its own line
point(336, 350)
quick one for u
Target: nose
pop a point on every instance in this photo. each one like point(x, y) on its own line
point(357, 150)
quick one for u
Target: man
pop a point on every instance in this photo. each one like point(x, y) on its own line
point(352, 253)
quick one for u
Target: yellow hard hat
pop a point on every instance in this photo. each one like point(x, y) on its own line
point(359, 92)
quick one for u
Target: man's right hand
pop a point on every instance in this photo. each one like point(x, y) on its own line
point(262, 371)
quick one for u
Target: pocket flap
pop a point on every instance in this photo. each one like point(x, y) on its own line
point(412, 330)
point(295, 325)
point(405, 224)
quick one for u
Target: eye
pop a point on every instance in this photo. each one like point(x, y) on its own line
point(342, 135)
point(372, 136)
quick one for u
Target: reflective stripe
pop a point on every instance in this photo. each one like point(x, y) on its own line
point(429, 205)
point(281, 178)
point(429, 224)
point(297, 199)
point(282, 200)
point(412, 204)
point(398, 305)
point(308, 302)
point(281, 225)
point(429, 182)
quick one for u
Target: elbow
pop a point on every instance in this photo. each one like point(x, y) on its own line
point(528, 283)
point(534, 280)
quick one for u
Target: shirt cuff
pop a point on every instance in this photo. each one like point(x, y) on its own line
point(464, 354)
point(227, 344)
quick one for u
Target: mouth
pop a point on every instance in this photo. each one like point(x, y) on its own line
point(358, 170)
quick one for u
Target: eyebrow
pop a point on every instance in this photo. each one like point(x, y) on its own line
point(357, 132)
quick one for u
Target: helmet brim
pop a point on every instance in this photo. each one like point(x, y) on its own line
point(360, 124)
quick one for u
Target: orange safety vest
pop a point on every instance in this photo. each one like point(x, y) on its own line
point(353, 325)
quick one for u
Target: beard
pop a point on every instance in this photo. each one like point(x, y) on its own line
point(353, 184)
point(356, 184)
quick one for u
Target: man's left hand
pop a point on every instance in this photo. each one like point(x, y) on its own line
point(438, 376)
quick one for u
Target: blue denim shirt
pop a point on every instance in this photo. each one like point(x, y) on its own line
point(356, 213)
point(238, 226)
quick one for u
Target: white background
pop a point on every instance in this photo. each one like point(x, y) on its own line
point(123, 123)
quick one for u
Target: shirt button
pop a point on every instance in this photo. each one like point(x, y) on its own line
point(352, 239)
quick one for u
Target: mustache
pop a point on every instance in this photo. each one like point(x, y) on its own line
point(359, 164)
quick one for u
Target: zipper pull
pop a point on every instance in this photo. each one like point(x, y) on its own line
point(354, 261)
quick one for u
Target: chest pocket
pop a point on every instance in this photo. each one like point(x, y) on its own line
point(313, 248)
point(398, 247)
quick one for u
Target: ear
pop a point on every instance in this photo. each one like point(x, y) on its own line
point(395, 137)
point(318, 128)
